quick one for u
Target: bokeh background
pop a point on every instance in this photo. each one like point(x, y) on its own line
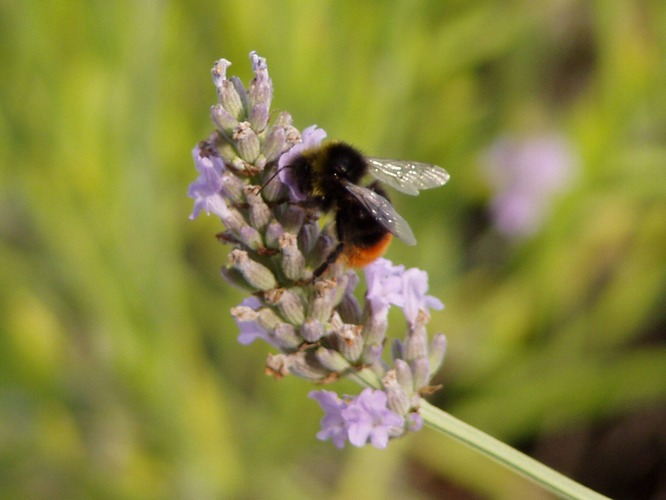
point(120, 374)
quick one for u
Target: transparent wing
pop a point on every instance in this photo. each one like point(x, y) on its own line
point(407, 176)
point(383, 212)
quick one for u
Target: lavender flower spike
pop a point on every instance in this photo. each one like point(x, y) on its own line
point(320, 327)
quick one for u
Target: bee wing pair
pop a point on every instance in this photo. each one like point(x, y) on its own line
point(406, 176)
point(410, 177)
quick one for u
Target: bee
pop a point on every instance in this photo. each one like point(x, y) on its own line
point(365, 221)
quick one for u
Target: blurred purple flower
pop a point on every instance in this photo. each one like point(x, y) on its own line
point(525, 175)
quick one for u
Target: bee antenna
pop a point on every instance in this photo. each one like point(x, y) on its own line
point(273, 176)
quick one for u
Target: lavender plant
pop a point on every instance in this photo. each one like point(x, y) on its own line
point(318, 327)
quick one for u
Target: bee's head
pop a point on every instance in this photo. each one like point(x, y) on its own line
point(345, 162)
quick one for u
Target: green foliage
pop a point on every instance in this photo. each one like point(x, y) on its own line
point(120, 375)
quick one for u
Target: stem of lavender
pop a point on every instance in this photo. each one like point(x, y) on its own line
point(504, 454)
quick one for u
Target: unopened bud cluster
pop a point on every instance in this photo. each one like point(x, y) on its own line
point(321, 331)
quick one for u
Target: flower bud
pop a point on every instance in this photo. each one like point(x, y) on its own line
point(398, 399)
point(421, 372)
point(277, 365)
point(293, 262)
point(233, 188)
point(219, 72)
point(287, 337)
point(397, 349)
point(260, 93)
point(231, 100)
point(247, 142)
point(322, 303)
point(233, 220)
point(350, 310)
point(268, 319)
point(244, 313)
point(293, 218)
point(332, 360)
point(416, 343)
point(260, 162)
point(230, 155)
point(260, 215)
point(284, 120)
point(275, 143)
point(288, 303)
point(404, 375)
point(240, 88)
point(273, 189)
point(273, 233)
point(308, 235)
point(350, 342)
point(437, 351)
point(235, 277)
point(228, 95)
point(306, 365)
point(312, 330)
point(257, 275)
point(224, 121)
point(372, 354)
point(258, 117)
point(323, 247)
point(374, 329)
point(292, 136)
point(250, 237)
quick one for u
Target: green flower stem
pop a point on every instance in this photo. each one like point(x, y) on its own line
point(505, 455)
point(367, 378)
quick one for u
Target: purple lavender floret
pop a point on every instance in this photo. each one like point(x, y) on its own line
point(390, 284)
point(206, 189)
point(333, 425)
point(250, 329)
point(359, 419)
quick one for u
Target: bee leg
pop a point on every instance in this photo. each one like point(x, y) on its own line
point(332, 257)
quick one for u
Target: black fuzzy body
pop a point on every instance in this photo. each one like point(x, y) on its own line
point(322, 174)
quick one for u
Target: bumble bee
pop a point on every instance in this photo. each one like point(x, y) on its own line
point(365, 220)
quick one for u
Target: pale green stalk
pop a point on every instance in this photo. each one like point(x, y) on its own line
point(535, 471)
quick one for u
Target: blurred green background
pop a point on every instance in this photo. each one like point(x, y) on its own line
point(120, 375)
